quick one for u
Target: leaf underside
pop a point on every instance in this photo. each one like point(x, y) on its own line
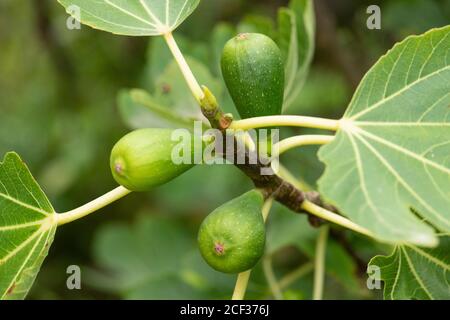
point(132, 18)
point(27, 228)
point(389, 166)
point(415, 273)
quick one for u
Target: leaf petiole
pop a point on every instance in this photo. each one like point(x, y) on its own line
point(286, 121)
point(299, 141)
point(241, 285)
point(335, 218)
point(184, 67)
point(319, 262)
point(95, 205)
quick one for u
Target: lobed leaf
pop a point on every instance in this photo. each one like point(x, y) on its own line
point(389, 166)
point(27, 228)
point(132, 18)
point(414, 273)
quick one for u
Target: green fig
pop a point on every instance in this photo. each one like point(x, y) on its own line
point(143, 159)
point(253, 70)
point(232, 238)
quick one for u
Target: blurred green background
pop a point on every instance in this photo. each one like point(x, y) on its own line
point(62, 103)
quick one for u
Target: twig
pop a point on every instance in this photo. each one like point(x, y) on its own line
point(273, 185)
point(319, 263)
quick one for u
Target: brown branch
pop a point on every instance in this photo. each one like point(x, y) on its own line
point(253, 165)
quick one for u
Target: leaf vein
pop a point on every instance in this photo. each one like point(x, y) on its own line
point(403, 182)
point(416, 275)
point(399, 92)
point(129, 13)
point(429, 257)
point(405, 151)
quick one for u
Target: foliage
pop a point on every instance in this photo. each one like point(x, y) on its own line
point(28, 225)
point(411, 271)
point(397, 123)
point(387, 169)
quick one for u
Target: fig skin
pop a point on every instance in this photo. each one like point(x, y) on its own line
point(253, 70)
point(142, 159)
point(232, 238)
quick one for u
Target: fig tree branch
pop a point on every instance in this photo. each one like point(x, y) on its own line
point(281, 190)
point(273, 185)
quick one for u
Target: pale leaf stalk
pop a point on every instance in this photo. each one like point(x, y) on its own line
point(243, 277)
point(95, 205)
point(335, 218)
point(323, 213)
point(319, 262)
point(191, 81)
point(241, 285)
point(300, 141)
point(286, 121)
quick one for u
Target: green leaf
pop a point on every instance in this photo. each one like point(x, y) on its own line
point(141, 110)
point(253, 23)
point(414, 273)
point(27, 228)
point(286, 229)
point(389, 167)
point(159, 56)
point(296, 41)
point(172, 90)
point(133, 18)
point(172, 104)
point(220, 35)
point(155, 258)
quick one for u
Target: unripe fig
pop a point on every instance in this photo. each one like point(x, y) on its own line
point(232, 238)
point(142, 159)
point(253, 69)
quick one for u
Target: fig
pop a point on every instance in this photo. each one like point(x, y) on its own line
point(253, 70)
point(143, 159)
point(232, 238)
